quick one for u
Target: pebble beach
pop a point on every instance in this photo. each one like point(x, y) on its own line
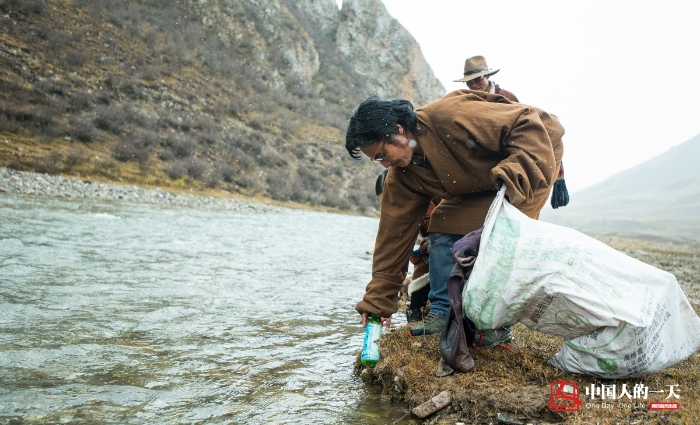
point(24, 182)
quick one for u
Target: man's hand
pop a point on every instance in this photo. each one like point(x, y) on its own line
point(385, 320)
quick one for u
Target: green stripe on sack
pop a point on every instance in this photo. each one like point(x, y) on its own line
point(498, 258)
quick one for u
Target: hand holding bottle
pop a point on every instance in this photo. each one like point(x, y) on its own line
point(385, 320)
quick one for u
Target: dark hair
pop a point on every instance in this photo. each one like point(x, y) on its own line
point(379, 185)
point(375, 119)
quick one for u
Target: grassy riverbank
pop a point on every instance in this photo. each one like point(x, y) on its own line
point(512, 387)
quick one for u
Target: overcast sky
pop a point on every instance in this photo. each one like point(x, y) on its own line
point(622, 76)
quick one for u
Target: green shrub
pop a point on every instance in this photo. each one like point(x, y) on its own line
point(75, 59)
point(196, 168)
point(83, 130)
point(74, 158)
point(180, 147)
point(48, 164)
point(107, 168)
point(127, 150)
point(110, 118)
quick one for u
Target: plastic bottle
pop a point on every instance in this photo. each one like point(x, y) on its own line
point(370, 347)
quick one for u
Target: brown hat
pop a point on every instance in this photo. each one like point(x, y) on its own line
point(475, 67)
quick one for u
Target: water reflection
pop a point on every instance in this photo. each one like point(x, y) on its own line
point(121, 313)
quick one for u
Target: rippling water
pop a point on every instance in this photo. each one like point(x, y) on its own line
point(127, 313)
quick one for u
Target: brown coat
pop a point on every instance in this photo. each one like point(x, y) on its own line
point(475, 141)
point(505, 93)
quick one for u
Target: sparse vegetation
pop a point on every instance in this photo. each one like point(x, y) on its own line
point(155, 93)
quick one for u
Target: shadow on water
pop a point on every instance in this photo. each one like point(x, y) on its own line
point(124, 313)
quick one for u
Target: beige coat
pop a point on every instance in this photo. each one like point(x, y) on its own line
point(475, 142)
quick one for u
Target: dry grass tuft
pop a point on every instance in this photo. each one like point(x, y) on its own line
point(516, 383)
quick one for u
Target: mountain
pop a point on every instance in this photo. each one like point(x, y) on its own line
point(243, 96)
point(658, 197)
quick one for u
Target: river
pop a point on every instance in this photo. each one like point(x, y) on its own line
point(113, 312)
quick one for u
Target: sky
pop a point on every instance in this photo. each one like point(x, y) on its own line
point(623, 77)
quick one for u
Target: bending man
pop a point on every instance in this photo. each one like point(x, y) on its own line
point(460, 148)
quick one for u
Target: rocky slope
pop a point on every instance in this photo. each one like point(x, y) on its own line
point(248, 96)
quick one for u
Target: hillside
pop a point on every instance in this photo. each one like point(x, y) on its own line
point(246, 96)
point(659, 197)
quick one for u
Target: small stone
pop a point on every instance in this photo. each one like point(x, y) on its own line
point(366, 375)
point(433, 405)
point(502, 418)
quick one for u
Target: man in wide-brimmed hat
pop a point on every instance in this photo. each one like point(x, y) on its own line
point(476, 75)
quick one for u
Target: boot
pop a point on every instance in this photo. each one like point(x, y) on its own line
point(416, 311)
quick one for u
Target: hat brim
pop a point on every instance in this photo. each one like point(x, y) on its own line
point(477, 75)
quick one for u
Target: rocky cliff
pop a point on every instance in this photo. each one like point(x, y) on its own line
point(384, 53)
point(247, 96)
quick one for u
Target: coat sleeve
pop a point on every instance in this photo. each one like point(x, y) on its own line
point(402, 210)
point(529, 163)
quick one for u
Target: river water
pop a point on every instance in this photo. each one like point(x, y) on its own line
point(141, 314)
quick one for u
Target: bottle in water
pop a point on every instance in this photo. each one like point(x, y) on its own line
point(370, 347)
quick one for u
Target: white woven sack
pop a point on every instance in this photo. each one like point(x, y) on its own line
point(620, 317)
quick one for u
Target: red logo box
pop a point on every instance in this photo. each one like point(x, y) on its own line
point(659, 405)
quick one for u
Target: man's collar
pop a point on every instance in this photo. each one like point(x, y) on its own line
point(420, 160)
